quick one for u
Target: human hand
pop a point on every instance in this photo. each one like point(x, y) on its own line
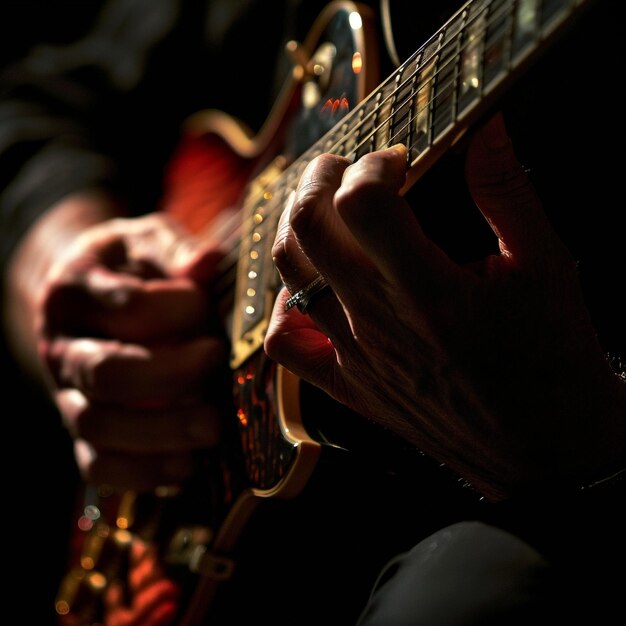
point(134, 356)
point(492, 368)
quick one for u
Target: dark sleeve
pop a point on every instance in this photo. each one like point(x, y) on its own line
point(100, 112)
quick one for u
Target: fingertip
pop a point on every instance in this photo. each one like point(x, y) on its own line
point(397, 150)
point(373, 177)
point(281, 343)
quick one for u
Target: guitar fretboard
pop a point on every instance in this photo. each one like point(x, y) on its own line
point(426, 104)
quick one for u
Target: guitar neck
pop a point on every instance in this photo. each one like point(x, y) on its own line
point(431, 99)
point(427, 104)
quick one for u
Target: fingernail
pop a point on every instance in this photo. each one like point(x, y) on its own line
point(397, 147)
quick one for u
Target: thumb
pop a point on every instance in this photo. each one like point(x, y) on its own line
point(504, 194)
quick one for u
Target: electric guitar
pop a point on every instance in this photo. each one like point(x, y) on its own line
point(292, 475)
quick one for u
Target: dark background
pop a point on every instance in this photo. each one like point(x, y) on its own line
point(25, 22)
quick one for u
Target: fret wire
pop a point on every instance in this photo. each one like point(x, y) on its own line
point(431, 80)
point(493, 18)
point(411, 102)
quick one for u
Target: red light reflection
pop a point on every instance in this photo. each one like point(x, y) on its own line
point(333, 105)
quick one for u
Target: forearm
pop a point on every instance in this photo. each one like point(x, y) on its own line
point(27, 268)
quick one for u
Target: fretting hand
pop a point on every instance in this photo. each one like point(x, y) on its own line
point(493, 369)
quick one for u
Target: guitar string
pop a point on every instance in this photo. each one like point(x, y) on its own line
point(231, 259)
point(227, 267)
point(233, 256)
point(229, 262)
point(442, 89)
point(337, 147)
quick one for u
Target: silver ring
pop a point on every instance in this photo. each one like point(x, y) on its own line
point(303, 298)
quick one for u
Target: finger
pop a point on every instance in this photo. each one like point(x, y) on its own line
point(168, 430)
point(297, 272)
point(384, 224)
point(142, 472)
point(166, 248)
point(132, 375)
point(502, 191)
point(155, 242)
point(295, 269)
point(160, 242)
point(309, 226)
point(294, 341)
point(320, 233)
point(109, 304)
point(346, 229)
point(201, 264)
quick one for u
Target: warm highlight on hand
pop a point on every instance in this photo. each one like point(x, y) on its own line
point(493, 368)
